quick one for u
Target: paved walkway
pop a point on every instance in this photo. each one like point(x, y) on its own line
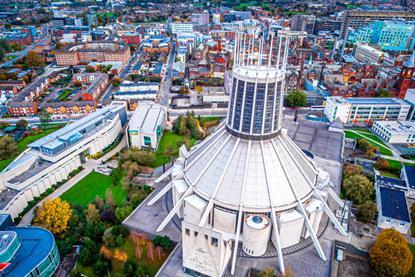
point(89, 166)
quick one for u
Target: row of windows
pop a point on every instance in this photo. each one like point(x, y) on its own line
point(213, 241)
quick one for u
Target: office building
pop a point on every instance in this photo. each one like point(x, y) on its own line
point(140, 91)
point(391, 203)
point(146, 126)
point(27, 251)
point(179, 28)
point(389, 35)
point(357, 19)
point(248, 182)
point(200, 18)
point(368, 54)
point(50, 159)
point(304, 23)
point(395, 131)
point(362, 109)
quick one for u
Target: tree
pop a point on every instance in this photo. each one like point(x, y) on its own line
point(92, 214)
point(109, 198)
point(122, 212)
point(8, 147)
point(358, 188)
point(390, 254)
point(108, 238)
point(22, 124)
point(352, 169)
point(77, 83)
point(44, 117)
point(116, 81)
point(89, 69)
point(54, 215)
point(296, 99)
point(383, 92)
point(32, 59)
point(164, 242)
point(382, 164)
point(102, 267)
point(268, 272)
point(129, 268)
point(59, 45)
point(366, 211)
point(363, 144)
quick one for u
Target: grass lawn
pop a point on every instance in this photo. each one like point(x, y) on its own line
point(46, 130)
point(396, 165)
point(169, 138)
point(94, 184)
point(390, 174)
point(374, 140)
point(128, 246)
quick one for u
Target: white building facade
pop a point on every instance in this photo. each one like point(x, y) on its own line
point(49, 160)
point(395, 131)
point(146, 126)
point(361, 109)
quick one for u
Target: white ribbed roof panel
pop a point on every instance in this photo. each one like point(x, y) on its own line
point(280, 163)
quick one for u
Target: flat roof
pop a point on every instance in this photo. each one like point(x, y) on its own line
point(391, 182)
point(410, 172)
point(36, 244)
point(146, 117)
point(401, 127)
point(394, 204)
point(374, 101)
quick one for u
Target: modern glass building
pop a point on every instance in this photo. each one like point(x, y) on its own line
point(27, 251)
point(389, 35)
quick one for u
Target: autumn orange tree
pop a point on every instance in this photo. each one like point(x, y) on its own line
point(390, 255)
point(54, 215)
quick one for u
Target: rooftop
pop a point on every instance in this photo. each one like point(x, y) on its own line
point(410, 172)
point(398, 126)
point(36, 244)
point(390, 182)
point(146, 117)
point(394, 204)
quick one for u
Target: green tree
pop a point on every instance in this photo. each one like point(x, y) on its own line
point(102, 267)
point(358, 188)
point(363, 144)
point(116, 82)
point(122, 212)
point(351, 169)
point(382, 164)
point(22, 124)
point(8, 147)
point(108, 238)
point(44, 117)
point(296, 99)
point(366, 211)
point(32, 59)
point(129, 268)
point(390, 254)
point(92, 215)
point(164, 242)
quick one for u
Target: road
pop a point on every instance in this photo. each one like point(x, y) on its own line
point(106, 97)
point(166, 82)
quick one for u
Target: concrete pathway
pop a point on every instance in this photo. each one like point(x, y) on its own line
point(89, 166)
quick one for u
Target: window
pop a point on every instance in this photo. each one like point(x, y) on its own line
point(196, 233)
point(187, 231)
point(402, 223)
point(214, 241)
point(147, 140)
point(206, 236)
point(388, 219)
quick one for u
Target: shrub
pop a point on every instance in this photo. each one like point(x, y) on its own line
point(102, 267)
point(352, 169)
point(164, 242)
point(130, 268)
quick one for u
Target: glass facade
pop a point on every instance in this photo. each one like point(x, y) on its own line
point(254, 108)
point(48, 266)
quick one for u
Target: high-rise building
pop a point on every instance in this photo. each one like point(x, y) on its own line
point(248, 182)
point(389, 35)
point(304, 23)
point(200, 18)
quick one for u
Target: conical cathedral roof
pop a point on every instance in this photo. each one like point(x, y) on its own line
point(255, 174)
